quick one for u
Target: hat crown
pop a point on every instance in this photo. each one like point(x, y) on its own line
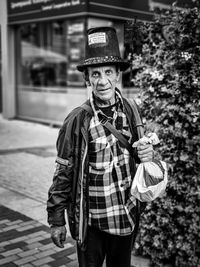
point(102, 48)
point(102, 42)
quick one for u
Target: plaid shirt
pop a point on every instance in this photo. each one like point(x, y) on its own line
point(110, 205)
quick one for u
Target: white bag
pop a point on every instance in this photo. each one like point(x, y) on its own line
point(150, 181)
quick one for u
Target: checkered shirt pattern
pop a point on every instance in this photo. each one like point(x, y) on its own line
point(110, 206)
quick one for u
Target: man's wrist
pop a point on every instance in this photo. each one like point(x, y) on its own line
point(56, 225)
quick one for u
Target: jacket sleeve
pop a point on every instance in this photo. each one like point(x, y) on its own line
point(59, 193)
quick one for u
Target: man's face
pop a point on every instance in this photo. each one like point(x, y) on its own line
point(103, 80)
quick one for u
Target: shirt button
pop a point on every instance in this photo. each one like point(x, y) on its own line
point(117, 164)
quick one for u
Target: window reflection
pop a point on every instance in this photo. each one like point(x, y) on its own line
point(48, 53)
point(75, 43)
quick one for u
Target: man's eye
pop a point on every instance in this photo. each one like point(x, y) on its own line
point(95, 74)
point(108, 72)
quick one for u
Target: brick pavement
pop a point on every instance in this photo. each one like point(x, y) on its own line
point(27, 155)
point(25, 242)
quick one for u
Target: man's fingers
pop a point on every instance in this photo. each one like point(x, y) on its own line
point(145, 155)
point(58, 235)
point(145, 151)
point(63, 236)
point(145, 158)
point(57, 241)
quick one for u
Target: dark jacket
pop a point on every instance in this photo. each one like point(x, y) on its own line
point(70, 183)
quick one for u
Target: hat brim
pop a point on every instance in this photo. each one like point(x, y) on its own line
point(123, 65)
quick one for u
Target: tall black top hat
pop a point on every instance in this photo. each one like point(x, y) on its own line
point(102, 48)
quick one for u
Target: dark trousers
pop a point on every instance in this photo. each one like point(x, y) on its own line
point(101, 245)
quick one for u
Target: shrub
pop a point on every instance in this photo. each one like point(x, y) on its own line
point(169, 78)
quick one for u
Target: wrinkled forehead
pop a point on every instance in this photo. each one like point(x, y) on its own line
point(102, 68)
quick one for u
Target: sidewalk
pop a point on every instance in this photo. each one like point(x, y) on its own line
point(27, 159)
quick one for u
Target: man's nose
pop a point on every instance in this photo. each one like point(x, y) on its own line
point(103, 79)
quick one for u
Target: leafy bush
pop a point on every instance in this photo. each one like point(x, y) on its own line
point(169, 76)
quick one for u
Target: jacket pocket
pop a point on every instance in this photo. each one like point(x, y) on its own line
point(100, 156)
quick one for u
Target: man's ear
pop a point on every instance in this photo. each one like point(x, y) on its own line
point(87, 83)
point(118, 75)
point(86, 78)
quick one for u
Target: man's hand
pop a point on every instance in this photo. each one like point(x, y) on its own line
point(145, 152)
point(58, 235)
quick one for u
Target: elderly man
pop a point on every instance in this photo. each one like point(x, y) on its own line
point(94, 170)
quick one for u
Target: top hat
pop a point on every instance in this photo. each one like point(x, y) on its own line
point(102, 48)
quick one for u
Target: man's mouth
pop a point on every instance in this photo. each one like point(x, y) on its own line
point(103, 89)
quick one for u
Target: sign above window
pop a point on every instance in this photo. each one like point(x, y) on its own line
point(34, 10)
point(20, 11)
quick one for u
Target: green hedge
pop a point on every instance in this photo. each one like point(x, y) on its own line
point(169, 76)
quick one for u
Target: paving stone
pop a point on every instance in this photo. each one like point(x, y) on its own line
point(47, 246)
point(35, 239)
point(35, 229)
point(10, 227)
point(2, 249)
point(6, 236)
point(18, 239)
point(21, 229)
point(64, 253)
point(28, 265)
point(73, 256)
point(10, 264)
point(34, 245)
point(46, 235)
point(44, 253)
point(39, 233)
point(4, 243)
point(38, 224)
point(11, 252)
point(67, 245)
point(46, 241)
point(11, 215)
point(5, 221)
point(8, 259)
point(71, 264)
point(60, 262)
point(31, 222)
point(20, 244)
point(11, 234)
point(42, 261)
point(14, 222)
point(24, 260)
point(28, 253)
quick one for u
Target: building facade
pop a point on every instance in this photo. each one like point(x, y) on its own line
point(43, 41)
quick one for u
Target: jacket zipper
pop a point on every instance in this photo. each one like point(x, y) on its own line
point(81, 199)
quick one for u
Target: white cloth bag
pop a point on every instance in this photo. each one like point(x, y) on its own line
point(150, 181)
point(151, 178)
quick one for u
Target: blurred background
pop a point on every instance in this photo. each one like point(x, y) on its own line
point(43, 41)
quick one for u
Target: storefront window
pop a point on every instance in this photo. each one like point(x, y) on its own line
point(75, 44)
point(48, 54)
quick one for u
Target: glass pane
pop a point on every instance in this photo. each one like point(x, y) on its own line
point(76, 45)
point(43, 54)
